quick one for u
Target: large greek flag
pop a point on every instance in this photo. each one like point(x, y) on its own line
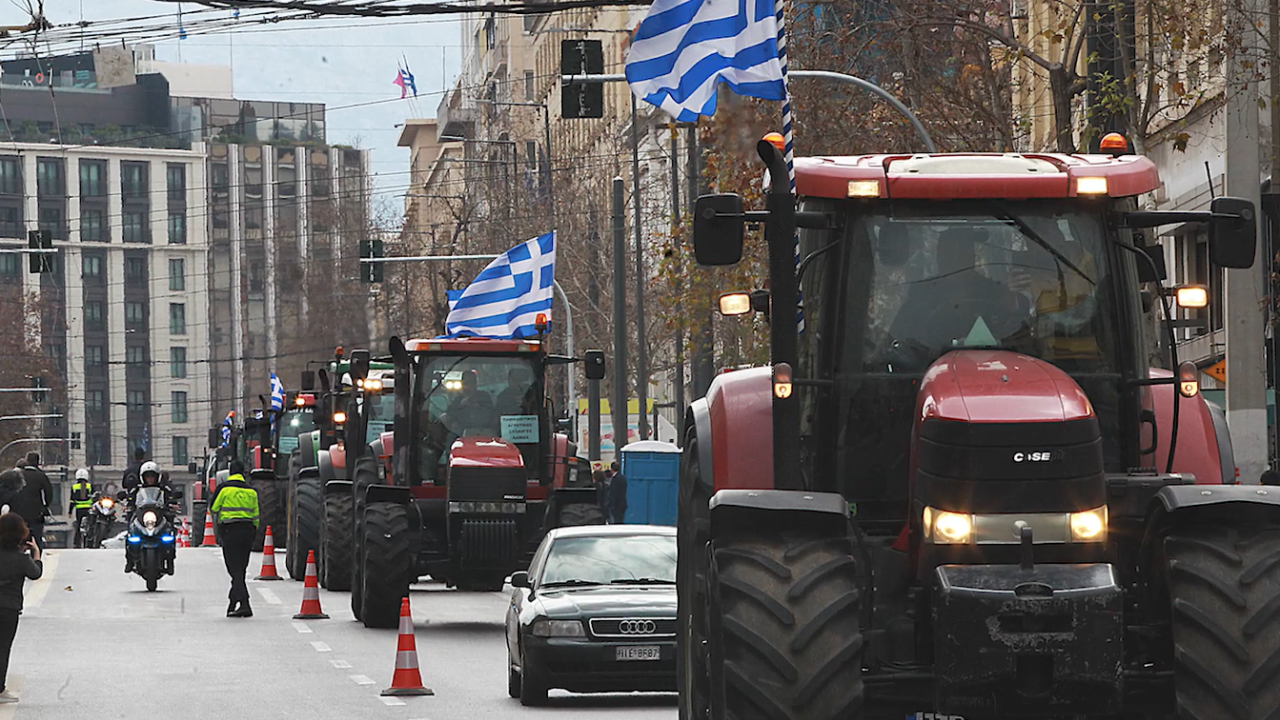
point(504, 300)
point(277, 393)
point(684, 48)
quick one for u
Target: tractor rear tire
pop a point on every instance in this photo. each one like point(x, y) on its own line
point(336, 541)
point(387, 564)
point(575, 514)
point(785, 634)
point(308, 513)
point(268, 498)
point(694, 532)
point(1223, 587)
point(291, 517)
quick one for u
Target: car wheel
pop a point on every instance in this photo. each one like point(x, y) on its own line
point(513, 682)
point(533, 691)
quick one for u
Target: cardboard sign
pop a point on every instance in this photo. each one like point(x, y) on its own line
point(520, 429)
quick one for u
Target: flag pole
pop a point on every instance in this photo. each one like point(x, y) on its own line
point(788, 151)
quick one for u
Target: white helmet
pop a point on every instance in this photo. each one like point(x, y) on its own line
point(149, 466)
point(82, 474)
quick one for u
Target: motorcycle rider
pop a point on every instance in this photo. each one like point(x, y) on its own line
point(150, 472)
point(81, 501)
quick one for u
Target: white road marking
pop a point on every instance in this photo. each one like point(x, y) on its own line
point(363, 680)
point(340, 664)
point(39, 588)
point(270, 597)
point(391, 701)
point(321, 647)
point(301, 627)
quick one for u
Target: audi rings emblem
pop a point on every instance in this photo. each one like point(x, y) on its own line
point(637, 627)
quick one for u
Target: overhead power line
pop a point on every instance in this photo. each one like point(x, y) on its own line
point(395, 8)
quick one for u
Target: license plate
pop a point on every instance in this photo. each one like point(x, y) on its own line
point(639, 652)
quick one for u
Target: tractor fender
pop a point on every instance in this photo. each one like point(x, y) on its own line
point(338, 487)
point(386, 493)
point(262, 474)
point(309, 473)
point(764, 512)
point(698, 421)
point(307, 452)
point(1178, 506)
point(325, 467)
point(739, 409)
point(1204, 444)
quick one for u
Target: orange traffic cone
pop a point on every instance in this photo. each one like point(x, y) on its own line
point(311, 593)
point(209, 539)
point(268, 559)
point(407, 680)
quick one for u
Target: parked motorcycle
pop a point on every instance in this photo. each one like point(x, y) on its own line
point(96, 526)
point(150, 546)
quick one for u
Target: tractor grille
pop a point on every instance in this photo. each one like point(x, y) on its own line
point(486, 484)
point(633, 628)
point(489, 543)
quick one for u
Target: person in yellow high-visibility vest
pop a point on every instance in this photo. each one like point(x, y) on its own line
point(235, 509)
point(81, 501)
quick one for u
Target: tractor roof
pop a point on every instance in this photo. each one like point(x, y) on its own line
point(959, 176)
point(472, 345)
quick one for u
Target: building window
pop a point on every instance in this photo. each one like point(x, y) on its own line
point(51, 221)
point(180, 456)
point(528, 85)
point(135, 355)
point(9, 264)
point(133, 181)
point(178, 406)
point(49, 182)
point(93, 178)
point(137, 400)
point(177, 229)
point(99, 451)
point(10, 176)
point(135, 313)
point(93, 315)
point(134, 226)
point(91, 266)
point(177, 318)
point(177, 274)
point(91, 225)
point(10, 226)
point(93, 401)
point(177, 362)
point(135, 269)
point(93, 355)
point(176, 176)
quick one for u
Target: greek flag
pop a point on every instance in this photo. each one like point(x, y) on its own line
point(451, 296)
point(504, 300)
point(226, 429)
point(683, 49)
point(277, 393)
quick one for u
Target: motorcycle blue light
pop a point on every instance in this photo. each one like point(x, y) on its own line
point(135, 539)
point(166, 538)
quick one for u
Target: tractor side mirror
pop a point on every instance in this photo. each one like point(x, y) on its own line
point(1233, 233)
point(324, 381)
point(192, 467)
point(1156, 266)
point(359, 364)
point(214, 439)
point(520, 579)
point(308, 380)
point(717, 229)
point(593, 364)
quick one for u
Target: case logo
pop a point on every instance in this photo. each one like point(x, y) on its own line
point(1038, 456)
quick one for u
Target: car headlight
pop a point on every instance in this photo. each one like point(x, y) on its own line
point(149, 518)
point(558, 628)
point(1090, 525)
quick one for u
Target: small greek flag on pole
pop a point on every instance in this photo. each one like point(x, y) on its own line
point(277, 393)
point(505, 299)
point(683, 49)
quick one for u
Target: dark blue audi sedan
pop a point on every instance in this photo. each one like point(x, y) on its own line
point(596, 612)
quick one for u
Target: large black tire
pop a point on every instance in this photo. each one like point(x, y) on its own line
point(308, 514)
point(291, 512)
point(336, 541)
point(366, 473)
point(268, 499)
point(386, 562)
point(785, 635)
point(1224, 595)
point(575, 514)
point(693, 534)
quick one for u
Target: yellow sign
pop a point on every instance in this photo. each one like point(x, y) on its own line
point(633, 406)
point(1217, 371)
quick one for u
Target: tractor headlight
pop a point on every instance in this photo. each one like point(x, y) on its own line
point(1090, 525)
point(558, 628)
point(951, 528)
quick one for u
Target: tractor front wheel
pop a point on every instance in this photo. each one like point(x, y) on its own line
point(336, 541)
point(386, 564)
point(1223, 587)
point(304, 527)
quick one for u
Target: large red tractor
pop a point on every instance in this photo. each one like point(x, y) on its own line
point(474, 458)
point(961, 490)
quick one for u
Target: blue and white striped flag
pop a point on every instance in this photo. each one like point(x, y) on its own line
point(451, 296)
point(504, 300)
point(277, 393)
point(226, 429)
point(684, 48)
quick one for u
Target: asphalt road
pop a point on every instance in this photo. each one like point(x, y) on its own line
point(92, 643)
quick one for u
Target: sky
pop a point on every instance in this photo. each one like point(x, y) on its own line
point(336, 62)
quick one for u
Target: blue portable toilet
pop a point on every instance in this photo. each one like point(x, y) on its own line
point(652, 469)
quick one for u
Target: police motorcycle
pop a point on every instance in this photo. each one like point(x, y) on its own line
point(96, 526)
point(150, 548)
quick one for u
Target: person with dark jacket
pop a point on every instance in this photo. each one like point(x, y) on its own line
point(19, 561)
point(617, 510)
point(33, 501)
point(133, 473)
point(11, 483)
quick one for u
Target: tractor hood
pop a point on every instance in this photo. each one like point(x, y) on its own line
point(998, 386)
point(479, 451)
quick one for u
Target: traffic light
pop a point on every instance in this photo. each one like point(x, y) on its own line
point(40, 262)
point(370, 272)
point(581, 100)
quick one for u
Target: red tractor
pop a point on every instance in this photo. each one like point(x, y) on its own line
point(961, 490)
point(472, 466)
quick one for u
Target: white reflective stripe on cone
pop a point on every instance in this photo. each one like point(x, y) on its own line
point(406, 660)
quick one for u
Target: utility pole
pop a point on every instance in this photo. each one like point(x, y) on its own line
point(642, 354)
point(1246, 375)
point(619, 402)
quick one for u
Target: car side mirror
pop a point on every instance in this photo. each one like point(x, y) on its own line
point(1233, 233)
point(717, 229)
point(593, 364)
point(520, 579)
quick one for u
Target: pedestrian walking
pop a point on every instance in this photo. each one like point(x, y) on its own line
point(11, 483)
point(19, 560)
point(235, 509)
point(33, 500)
point(617, 493)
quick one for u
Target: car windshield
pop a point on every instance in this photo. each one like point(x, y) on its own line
point(479, 396)
point(611, 560)
point(382, 413)
point(294, 423)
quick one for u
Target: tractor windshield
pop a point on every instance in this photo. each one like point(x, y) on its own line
point(477, 395)
point(294, 423)
point(893, 290)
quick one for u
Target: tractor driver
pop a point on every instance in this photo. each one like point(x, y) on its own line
point(472, 409)
point(517, 397)
point(959, 306)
